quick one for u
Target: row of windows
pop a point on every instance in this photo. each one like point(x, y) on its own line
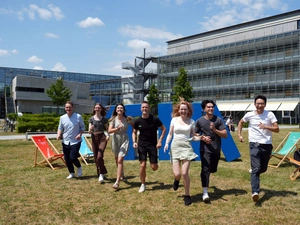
point(201, 61)
point(29, 89)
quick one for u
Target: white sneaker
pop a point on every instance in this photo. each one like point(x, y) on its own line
point(79, 172)
point(142, 188)
point(101, 178)
point(71, 176)
point(205, 197)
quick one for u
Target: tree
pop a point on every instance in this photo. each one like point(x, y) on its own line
point(153, 98)
point(59, 93)
point(182, 87)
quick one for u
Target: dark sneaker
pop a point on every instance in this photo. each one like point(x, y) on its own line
point(175, 184)
point(187, 200)
point(255, 197)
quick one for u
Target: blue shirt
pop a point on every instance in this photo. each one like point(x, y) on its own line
point(71, 127)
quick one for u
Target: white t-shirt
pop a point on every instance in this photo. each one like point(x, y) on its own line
point(182, 131)
point(228, 121)
point(262, 136)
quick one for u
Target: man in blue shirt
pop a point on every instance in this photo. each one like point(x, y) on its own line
point(70, 128)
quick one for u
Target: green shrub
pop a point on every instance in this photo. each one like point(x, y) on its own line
point(42, 122)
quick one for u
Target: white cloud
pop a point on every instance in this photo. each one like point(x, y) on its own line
point(34, 59)
point(19, 14)
point(223, 19)
point(170, 2)
point(138, 44)
point(179, 2)
point(44, 14)
point(4, 52)
point(38, 68)
point(238, 11)
point(90, 22)
point(51, 35)
point(147, 33)
point(14, 51)
point(57, 13)
point(59, 67)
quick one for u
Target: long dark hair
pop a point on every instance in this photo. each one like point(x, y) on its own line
point(114, 114)
point(103, 110)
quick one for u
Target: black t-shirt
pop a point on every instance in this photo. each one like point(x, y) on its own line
point(148, 129)
point(202, 126)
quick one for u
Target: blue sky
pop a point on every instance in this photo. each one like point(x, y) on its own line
point(97, 36)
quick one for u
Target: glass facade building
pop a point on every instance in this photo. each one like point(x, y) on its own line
point(238, 62)
point(103, 88)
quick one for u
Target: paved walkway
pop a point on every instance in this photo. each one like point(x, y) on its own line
point(27, 137)
point(53, 135)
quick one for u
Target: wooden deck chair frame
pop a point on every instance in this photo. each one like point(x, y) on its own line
point(82, 156)
point(285, 157)
point(294, 175)
point(296, 160)
point(55, 155)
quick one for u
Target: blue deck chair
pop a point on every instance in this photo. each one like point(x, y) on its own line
point(85, 150)
point(285, 149)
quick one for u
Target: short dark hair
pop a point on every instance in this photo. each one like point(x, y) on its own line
point(205, 102)
point(146, 102)
point(69, 102)
point(260, 97)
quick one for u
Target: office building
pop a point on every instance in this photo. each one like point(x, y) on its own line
point(103, 88)
point(232, 65)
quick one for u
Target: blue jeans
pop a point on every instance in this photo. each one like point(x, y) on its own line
point(71, 153)
point(260, 155)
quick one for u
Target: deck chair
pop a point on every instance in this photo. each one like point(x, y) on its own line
point(296, 160)
point(85, 150)
point(285, 149)
point(48, 151)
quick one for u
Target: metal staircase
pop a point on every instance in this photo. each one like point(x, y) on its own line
point(142, 77)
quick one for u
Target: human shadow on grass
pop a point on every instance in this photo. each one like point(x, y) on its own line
point(266, 195)
point(138, 184)
point(218, 194)
point(235, 160)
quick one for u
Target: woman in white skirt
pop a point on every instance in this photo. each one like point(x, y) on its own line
point(181, 129)
point(118, 127)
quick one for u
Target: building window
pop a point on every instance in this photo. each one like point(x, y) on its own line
point(28, 89)
point(286, 113)
point(298, 24)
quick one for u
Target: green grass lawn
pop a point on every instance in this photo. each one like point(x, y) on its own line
point(39, 195)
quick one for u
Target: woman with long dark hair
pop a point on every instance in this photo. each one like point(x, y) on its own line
point(98, 126)
point(120, 141)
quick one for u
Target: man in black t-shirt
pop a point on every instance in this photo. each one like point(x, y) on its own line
point(212, 129)
point(147, 125)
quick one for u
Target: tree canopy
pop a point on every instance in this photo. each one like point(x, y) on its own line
point(153, 98)
point(182, 87)
point(59, 93)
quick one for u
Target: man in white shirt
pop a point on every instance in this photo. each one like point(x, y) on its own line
point(261, 125)
point(70, 129)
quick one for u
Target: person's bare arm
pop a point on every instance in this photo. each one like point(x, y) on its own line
point(239, 131)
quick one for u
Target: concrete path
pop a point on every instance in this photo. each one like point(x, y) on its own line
point(28, 137)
